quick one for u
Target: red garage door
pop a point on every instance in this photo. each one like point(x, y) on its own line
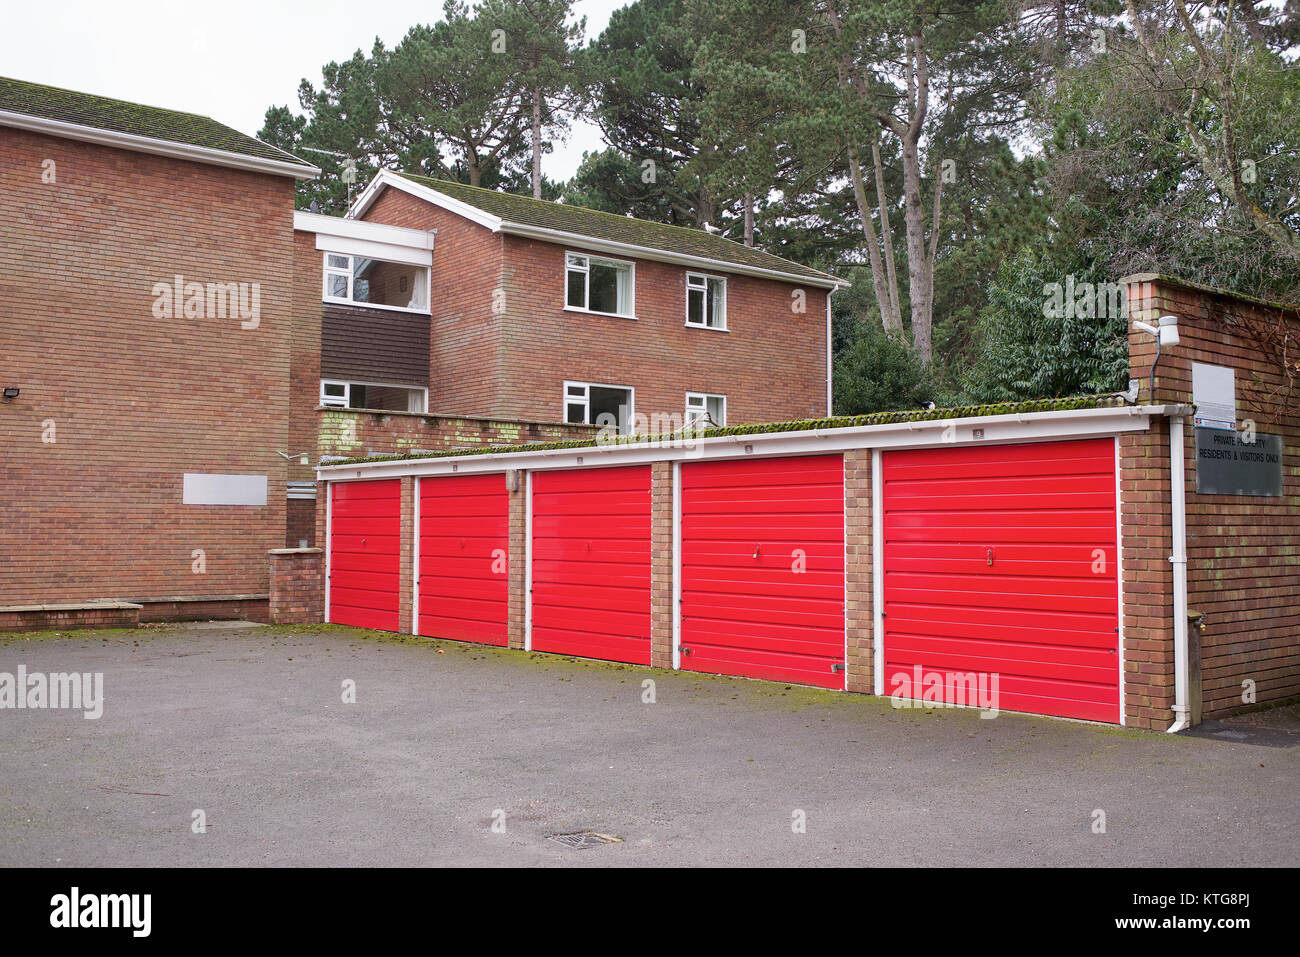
point(464, 543)
point(999, 561)
point(365, 538)
point(591, 563)
point(762, 568)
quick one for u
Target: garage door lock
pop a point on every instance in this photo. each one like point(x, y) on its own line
point(838, 666)
point(684, 650)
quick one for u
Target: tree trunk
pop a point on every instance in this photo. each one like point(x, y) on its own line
point(918, 280)
point(887, 317)
point(886, 232)
point(537, 144)
point(918, 263)
point(749, 220)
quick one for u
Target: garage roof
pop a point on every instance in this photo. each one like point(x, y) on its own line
point(1011, 410)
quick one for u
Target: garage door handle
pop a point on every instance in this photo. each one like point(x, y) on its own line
point(756, 551)
point(990, 557)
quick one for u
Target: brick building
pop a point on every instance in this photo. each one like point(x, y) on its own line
point(184, 346)
point(147, 265)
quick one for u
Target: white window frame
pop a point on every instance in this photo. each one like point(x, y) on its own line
point(585, 401)
point(705, 277)
point(333, 401)
point(347, 273)
point(585, 269)
point(704, 397)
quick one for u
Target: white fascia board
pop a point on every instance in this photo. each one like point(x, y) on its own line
point(385, 178)
point(581, 241)
point(370, 250)
point(998, 430)
point(321, 224)
point(157, 147)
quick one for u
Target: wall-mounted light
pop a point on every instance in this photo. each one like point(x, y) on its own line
point(1166, 334)
point(11, 392)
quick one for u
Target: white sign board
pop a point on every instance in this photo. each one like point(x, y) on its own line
point(203, 488)
point(1214, 390)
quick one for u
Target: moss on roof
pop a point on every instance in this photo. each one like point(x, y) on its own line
point(121, 116)
point(598, 224)
point(766, 428)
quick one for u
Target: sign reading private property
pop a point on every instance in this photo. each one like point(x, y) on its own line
point(1226, 464)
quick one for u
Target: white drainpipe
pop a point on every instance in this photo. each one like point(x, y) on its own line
point(1182, 713)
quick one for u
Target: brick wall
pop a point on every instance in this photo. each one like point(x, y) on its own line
point(297, 594)
point(117, 403)
point(513, 362)
point(517, 562)
point(466, 370)
point(770, 363)
point(353, 433)
point(859, 620)
point(66, 617)
point(1243, 552)
point(661, 564)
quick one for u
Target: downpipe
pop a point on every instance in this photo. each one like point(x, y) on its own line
point(1178, 502)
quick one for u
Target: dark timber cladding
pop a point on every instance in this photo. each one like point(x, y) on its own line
point(1000, 561)
point(374, 345)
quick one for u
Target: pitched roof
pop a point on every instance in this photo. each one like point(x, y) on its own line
point(515, 210)
point(134, 119)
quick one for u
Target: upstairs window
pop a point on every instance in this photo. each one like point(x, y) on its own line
point(376, 282)
point(706, 301)
point(598, 285)
point(706, 410)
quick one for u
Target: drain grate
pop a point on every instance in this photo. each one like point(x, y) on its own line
point(581, 840)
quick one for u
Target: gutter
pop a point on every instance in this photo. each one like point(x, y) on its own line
point(583, 241)
point(1178, 520)
point(158, 147)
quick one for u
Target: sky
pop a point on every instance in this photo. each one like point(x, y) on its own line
point(227, 60)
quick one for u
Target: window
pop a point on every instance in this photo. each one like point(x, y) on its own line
point(706, 410)
point(376, 282)
point(338, 394)
point(706, 301)
point(608, 406)
point(598, 285)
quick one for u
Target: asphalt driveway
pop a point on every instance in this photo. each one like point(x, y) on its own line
point(454, 754)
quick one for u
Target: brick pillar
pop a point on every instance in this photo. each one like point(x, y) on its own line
point(517, 567)
point(297, 586)
point(857, 569)
point(407, 553)
point(1148, 577)
point(322, 512)
point(661, 564)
